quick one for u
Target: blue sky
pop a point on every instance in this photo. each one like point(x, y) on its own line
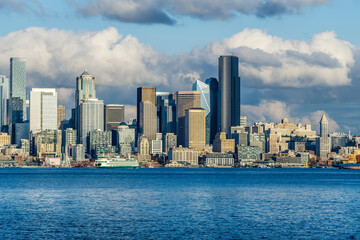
point(282, 47)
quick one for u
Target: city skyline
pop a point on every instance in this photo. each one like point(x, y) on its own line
point(298, 72)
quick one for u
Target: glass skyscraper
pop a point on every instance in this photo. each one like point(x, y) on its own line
point(204, 90)
point(17, 90)
point(229, 93)
point(85, 89)
point(4, 100)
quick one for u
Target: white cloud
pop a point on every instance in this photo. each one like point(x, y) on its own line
point(165, 11)
point(55, 57)
point(122, 63)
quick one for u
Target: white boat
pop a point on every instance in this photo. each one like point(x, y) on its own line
point(116, 162)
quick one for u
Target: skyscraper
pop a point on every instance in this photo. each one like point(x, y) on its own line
point(214, 88)
point(205, 101)
point(144, 94)
point(17, 90)
point(167, 108)
point(4, 100)
point(323, 143)
point(85, 89)
point(195, 128)
point(43, 109)
point(114, 114)
point(91, 116)
point(60, 115)
point(148, 120)
point(229, 93)
point(185, 100)
point(160, 97)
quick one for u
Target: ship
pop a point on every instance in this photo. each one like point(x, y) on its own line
point(116, 162)
point(351, 161)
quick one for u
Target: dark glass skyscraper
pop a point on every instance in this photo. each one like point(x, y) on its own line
point(229, 93)
point(214, 88)
point(17, 90)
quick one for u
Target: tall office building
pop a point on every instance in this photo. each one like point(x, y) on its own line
point(43, 109)
point(205, 100)
point(17, 90)
point(4, 100)
point(323, 142)
point(160, 97)
point(214, 88)
point(60, 115)
point(85, 89)
point(91, 116)
point(229, 93)
point(144, 94)
point(195, 128)
point(167, 108)
point(99, 142)
point(114, 114)
point(185, 100)
point(148, 120)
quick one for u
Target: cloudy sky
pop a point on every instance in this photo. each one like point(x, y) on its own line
point(298, 58)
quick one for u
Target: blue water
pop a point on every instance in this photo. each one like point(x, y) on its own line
point(179, 204)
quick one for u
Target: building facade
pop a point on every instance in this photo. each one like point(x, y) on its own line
point(43, 109)
point(184, 100)
point(114, 114)
point(91, 116)
point(229, 93)
point(195, 128)
point(205, 102)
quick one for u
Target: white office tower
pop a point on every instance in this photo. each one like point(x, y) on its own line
point(91, 117)
point(43, 109)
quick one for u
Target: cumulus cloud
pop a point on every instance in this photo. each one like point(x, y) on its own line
point(275, 111)
point(165, 11)
point(55, 57)
point(322, 69)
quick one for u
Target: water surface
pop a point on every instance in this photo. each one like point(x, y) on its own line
point(179, 204)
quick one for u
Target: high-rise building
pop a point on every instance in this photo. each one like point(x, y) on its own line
point(114, 114)
point(160, 97)
point(4, 100)
point(47, 143)
point(60, 115)
point(85, 89)
point(170, 141)
point(214, 88)
point(195, 128)
point(43, 109)
point(185, 100)
point(69, 139)
point(125, 139)
point(323, 142)
point(147, 120)
point(167, 108)
point(144, 94)
point(22, 131)
point(78, 152)
point(205, 101)
point(99, 142)
point(229, 93)
point(91, 116)
point(17, 90)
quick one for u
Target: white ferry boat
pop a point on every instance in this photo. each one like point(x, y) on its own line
point(116, 162)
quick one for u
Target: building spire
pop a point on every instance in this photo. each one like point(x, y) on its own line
point(323, 118)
